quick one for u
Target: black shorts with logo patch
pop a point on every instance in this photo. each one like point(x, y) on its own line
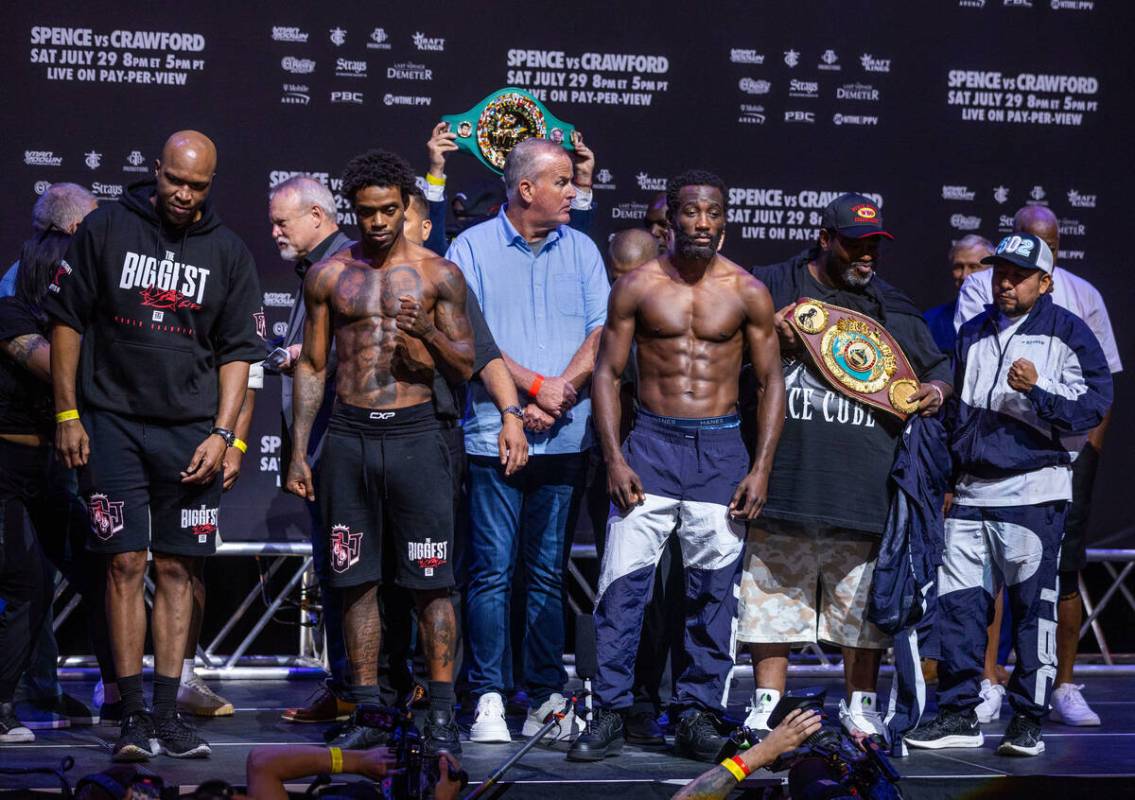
point(386, 473)
point(132, 485)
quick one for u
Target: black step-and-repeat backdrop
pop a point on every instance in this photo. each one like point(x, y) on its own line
point(952, 114)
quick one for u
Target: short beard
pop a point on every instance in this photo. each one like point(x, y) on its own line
point(687, 248)
point(289, 252)
point(852, 278)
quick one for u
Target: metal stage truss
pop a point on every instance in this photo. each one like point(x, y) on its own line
point(294, 560)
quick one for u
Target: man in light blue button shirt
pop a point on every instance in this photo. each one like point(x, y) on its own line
point(543, 289)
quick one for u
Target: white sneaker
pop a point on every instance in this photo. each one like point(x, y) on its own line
point(764, 701)
point(489, 724)
point(567, 729)
point(862, 714)
point(1070, 707)
point(989, 709)
point(195, 697)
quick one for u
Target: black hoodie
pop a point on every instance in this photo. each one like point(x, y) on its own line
point(160, 310)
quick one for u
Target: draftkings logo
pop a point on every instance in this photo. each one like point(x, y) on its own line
point(649, 184)
point(1077, 200)
point(106, 516)
point(872, 64)
point(345, 547)
point(432, 43)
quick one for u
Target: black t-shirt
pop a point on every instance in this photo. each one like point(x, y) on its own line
point(835, 453)
point(25, 401)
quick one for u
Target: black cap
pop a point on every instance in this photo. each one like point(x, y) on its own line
point(854, 216)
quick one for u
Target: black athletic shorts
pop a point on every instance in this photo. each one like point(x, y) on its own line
point(132, 485)
point(387, 473)
point(1074, 546)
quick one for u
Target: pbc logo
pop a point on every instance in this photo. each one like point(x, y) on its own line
point(345, 547)
point(106, 517)
point(347, 97)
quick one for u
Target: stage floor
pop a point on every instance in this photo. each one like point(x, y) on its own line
point(1079, 762)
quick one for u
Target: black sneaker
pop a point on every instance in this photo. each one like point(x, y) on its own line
point(948, 729)
point(1022, 738)
point(699, 736)
point(354, 734)
point(110, 713)
point(11, 729)
point(136, 739)
point(179, 739)
point(642, 728)
point(603, 738)
point(441, 733)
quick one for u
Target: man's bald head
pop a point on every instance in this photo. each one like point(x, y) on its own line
point(1041, 223)
point(628, 250)
point(191, 147)
point(185, 175)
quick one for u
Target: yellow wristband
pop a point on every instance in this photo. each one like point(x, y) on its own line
point(240, 445)
point(69, 414)
point(734, 769)
point(336, 760)
point(432, 181)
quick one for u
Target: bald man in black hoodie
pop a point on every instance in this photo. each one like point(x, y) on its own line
point(156, 317)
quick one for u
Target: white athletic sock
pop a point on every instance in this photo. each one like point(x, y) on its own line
point(186, 670)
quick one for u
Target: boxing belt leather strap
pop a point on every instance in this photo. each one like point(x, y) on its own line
point(856, 355)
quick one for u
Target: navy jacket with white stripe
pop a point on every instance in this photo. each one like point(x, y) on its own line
point(998, 431)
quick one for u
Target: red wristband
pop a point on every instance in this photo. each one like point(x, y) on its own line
point(534, 389)
point(741, 764)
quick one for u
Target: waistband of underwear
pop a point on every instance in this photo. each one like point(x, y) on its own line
point(687, 423)
point(411, 419)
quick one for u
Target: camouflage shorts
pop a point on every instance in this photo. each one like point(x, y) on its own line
point(808, 586)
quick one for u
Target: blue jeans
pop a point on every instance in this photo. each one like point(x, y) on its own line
point(528, 514)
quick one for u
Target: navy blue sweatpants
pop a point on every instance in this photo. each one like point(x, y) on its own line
point(1018, 546)
point(689, 471)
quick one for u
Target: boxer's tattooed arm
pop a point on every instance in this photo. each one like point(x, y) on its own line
point(32, 352)
point(451, 343)
point(310, 375)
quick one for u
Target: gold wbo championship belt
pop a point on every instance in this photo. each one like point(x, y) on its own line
point(856, 355)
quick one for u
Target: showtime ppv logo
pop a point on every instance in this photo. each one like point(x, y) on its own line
point(957, 193)
point(297, 66)
point(1073, 5)
point(855, 119)
point(406, 100)
point(649, 184)
point(282, 33)
point(42, 158)
point(964, 222)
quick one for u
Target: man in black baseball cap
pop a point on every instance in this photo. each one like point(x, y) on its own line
point(822, 523)
point(1022, 272)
